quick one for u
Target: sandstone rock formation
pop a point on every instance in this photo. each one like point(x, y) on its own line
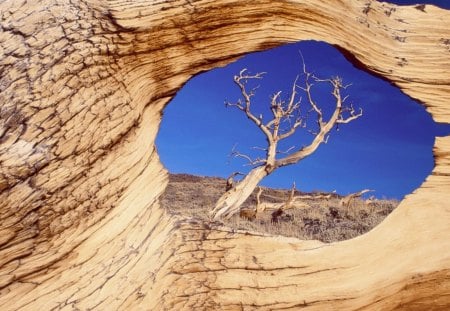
point(82, 88)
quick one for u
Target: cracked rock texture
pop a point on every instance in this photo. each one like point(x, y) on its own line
point(82, 88)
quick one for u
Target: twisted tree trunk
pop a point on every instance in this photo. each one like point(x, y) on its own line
point(82, 87)
point(229, 203)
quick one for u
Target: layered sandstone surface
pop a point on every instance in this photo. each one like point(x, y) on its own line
point(82, 88)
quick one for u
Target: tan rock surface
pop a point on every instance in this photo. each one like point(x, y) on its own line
point(82, 87)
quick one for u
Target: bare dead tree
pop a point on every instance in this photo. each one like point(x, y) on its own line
point(348, 199)
point(276, 209)
point(314, 196)
point(287, 205)
point(291, 198)
point(259, 208)
point(287, 117)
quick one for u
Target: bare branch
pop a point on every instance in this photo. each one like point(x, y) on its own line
point(353, 115)
point(303, 62)
point(238, 104)
point(243, 76)
point(311, 101)
point(275, 107)
point(259, 148)
point(286, 151)
point(314, 133)
point(292, 130)
point(241, 81)
point(293, 94)
point(324, 127)
point(347, 200)
point(230, 180)
point(252, 162)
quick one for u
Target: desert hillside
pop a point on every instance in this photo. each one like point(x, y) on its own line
point(318, 216)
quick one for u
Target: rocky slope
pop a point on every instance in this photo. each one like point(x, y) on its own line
point(82, 88)
point(313, 216)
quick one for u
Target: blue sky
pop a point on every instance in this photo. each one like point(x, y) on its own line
point(441, 3)
point(389, 149)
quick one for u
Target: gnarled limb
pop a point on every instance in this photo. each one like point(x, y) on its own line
point(348, 199)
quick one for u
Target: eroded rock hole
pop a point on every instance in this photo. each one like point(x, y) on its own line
point(387, 150)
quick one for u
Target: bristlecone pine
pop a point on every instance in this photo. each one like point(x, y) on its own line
point(82, 88)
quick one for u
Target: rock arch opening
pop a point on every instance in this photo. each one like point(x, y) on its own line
point(389, 150)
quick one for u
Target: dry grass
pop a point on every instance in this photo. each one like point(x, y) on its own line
point(324, 219)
